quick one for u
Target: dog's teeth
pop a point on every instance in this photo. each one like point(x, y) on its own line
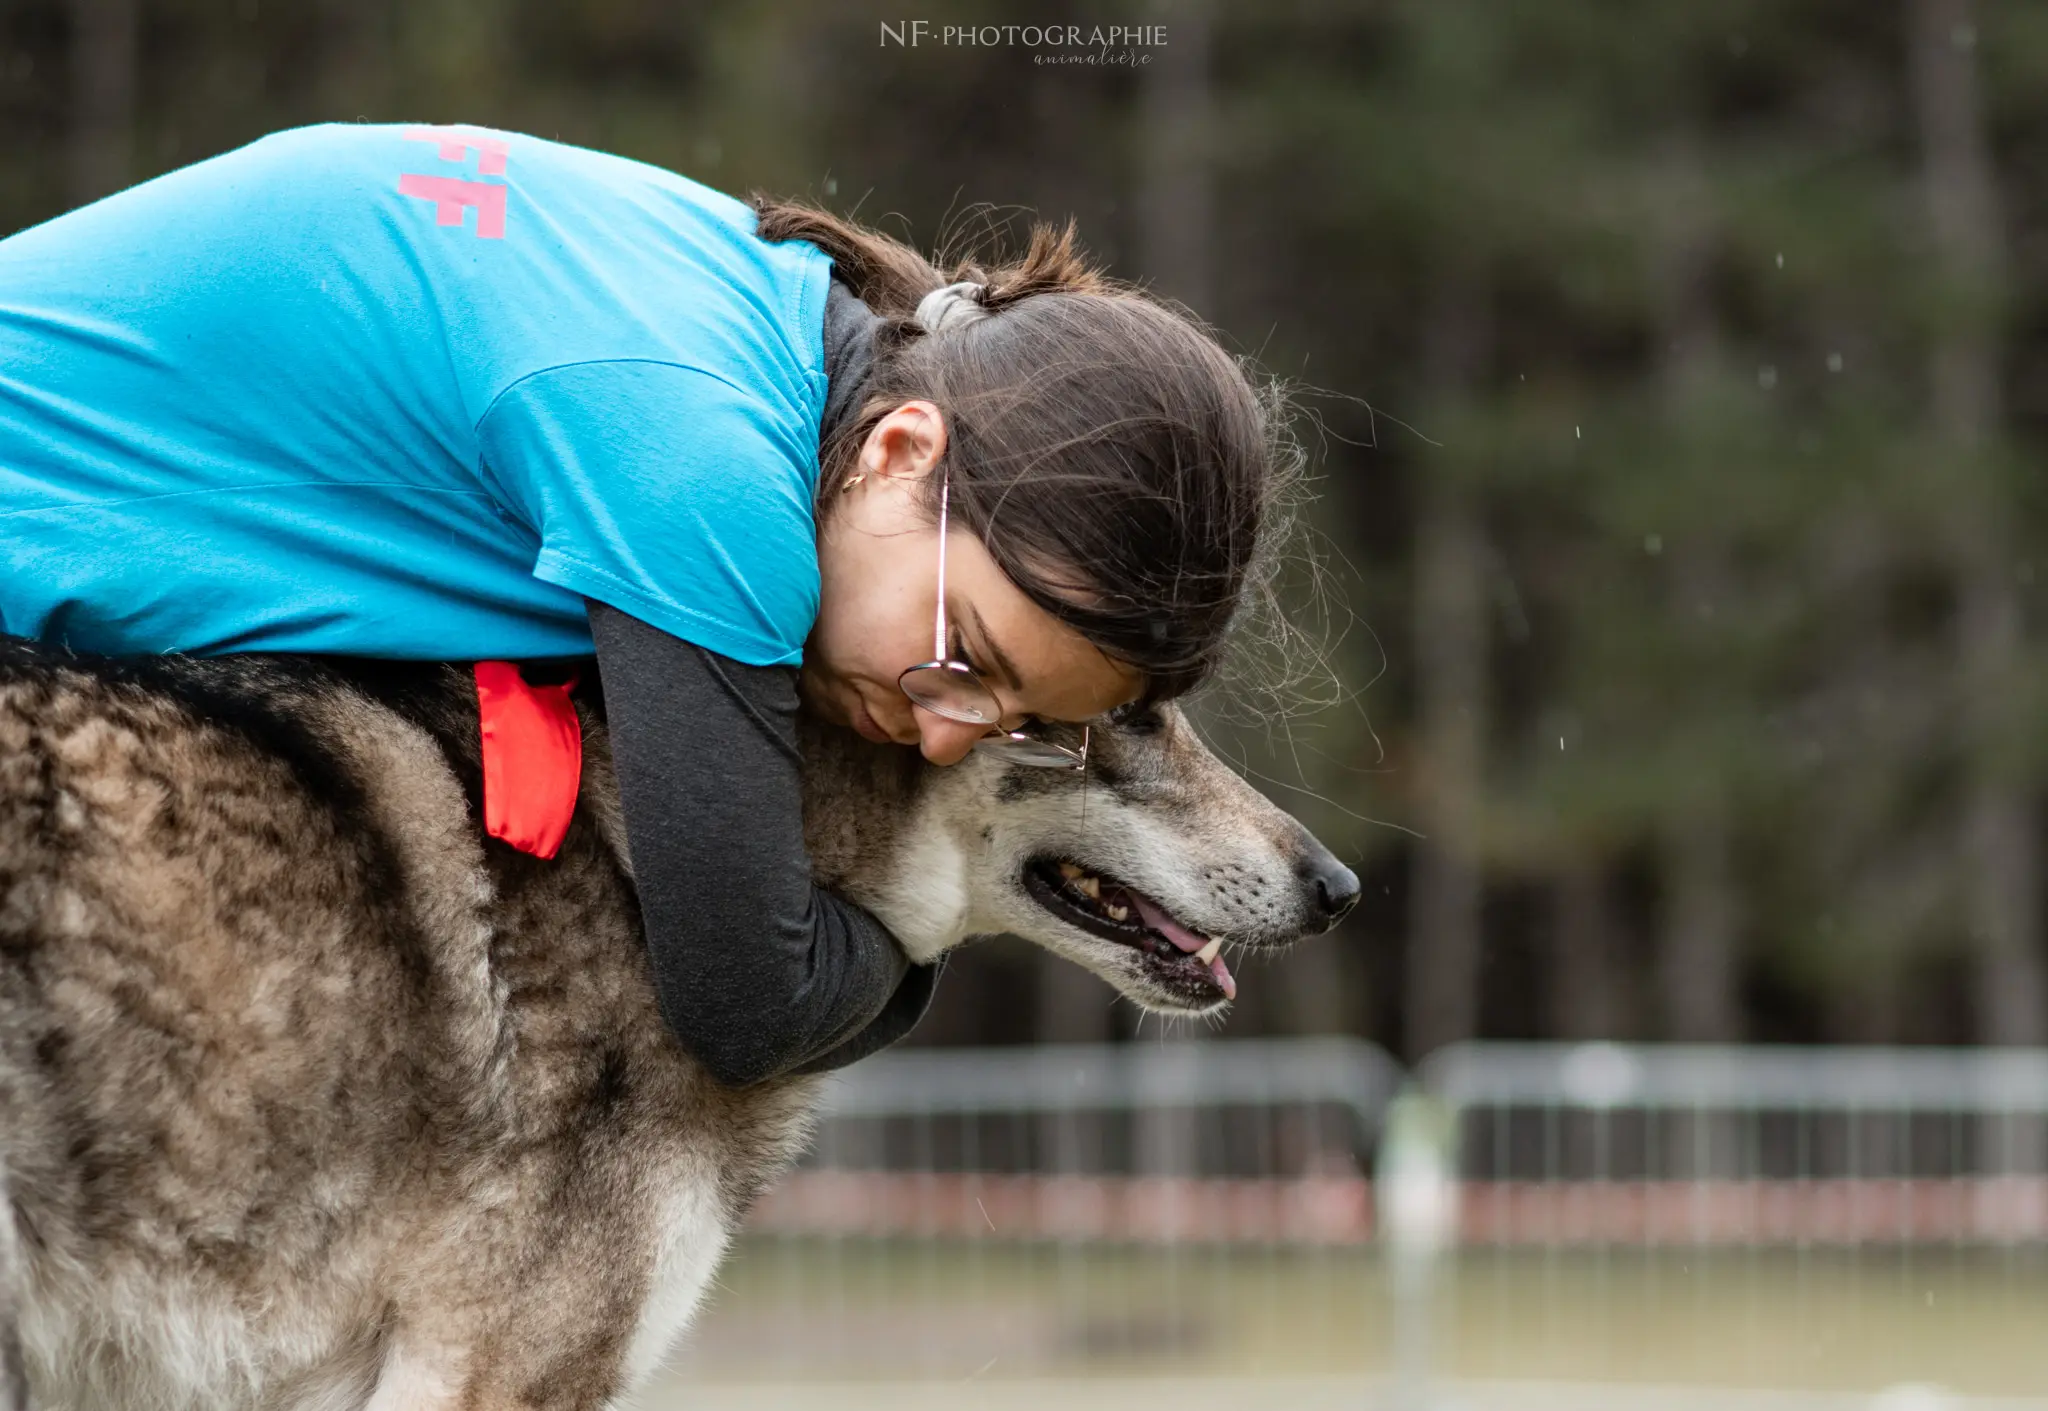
point(1208, 953)
point(1089, 887)
point(1069, 871)
point(1118, 913)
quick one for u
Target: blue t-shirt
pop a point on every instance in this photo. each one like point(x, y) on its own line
point(409, 392)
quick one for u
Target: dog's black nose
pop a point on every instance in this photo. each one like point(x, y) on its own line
point(1336, 886)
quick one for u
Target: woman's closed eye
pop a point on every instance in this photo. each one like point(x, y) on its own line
point(957, 650)
point(1004, 675)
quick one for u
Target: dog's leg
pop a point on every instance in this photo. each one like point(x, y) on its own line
point(13, 1376)
point(419, 1378)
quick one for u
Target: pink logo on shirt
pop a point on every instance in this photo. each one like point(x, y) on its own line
point(451, 194)
point(490, 150)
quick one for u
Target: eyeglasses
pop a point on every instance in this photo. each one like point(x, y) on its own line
point(951, 689)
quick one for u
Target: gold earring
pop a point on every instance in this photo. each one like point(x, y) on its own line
point(852, 481)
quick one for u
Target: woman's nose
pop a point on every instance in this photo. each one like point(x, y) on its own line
point(946, 741)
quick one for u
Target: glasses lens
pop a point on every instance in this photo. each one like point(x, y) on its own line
point(1027, 751)
point(955, 694)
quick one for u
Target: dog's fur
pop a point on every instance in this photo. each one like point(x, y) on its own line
point(313, 1096)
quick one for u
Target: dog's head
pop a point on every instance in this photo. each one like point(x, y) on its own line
point(1147, 868)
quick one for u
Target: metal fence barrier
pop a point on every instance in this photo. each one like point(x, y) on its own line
point(1607, 1143)
point(1720, 1215)
point(1508, 1222)
point(1245, 1142)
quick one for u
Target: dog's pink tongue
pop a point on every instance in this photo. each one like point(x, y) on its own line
point(1166, 926)
point(1184, 938)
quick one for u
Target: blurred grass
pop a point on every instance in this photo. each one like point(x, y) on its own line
point(1972, 1321)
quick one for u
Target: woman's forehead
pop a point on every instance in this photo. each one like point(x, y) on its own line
point(1054, 670)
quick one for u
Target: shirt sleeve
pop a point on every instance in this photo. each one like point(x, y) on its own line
point(668, 493)
point(758, 971)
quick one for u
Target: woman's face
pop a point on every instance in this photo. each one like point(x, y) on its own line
point(878, 562)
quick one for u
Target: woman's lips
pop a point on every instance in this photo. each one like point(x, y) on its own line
point(864, 725)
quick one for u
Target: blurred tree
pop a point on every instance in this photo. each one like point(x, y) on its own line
point(355, 60)
point(1456, 79)
point(1450, 639)
point(1697, 958)
point(104, 41)
point(1586, 983)
point(2001, 834)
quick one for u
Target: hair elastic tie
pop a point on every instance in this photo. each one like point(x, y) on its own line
point(953, 306)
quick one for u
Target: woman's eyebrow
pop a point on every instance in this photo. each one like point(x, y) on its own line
point(1006, 670)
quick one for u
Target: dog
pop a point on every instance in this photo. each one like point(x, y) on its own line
point(315, 1096)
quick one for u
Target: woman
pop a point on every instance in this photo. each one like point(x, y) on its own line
point(456, 394)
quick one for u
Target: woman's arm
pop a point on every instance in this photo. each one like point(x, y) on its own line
point(759, 972)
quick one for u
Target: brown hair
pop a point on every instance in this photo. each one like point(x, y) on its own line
point(1121, 467)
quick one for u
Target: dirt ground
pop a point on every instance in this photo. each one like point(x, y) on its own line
point(825, 1323)
point(1325, 1394)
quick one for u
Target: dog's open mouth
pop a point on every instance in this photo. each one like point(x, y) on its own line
point(1105, 907)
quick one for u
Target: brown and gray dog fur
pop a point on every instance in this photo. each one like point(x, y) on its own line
point(312, 1096)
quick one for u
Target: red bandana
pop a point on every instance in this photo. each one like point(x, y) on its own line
point(533, 757)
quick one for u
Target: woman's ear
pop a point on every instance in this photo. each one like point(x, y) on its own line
point(908, 443)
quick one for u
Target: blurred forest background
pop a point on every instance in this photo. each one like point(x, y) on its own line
point(1676, 375)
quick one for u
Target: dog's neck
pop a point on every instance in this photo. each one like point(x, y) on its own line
point(875, 835)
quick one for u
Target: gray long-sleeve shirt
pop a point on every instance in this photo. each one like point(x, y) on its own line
point(759, 972)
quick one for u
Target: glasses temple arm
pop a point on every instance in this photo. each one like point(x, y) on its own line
point(939, 618)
